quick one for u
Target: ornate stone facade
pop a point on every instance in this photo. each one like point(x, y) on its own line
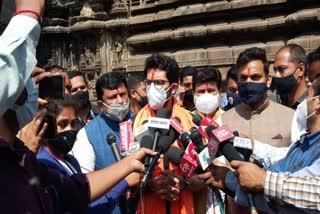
point(96, 36)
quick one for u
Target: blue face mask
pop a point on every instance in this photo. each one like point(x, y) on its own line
point(251, 92)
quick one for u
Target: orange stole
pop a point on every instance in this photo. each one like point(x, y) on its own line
point(153, 204)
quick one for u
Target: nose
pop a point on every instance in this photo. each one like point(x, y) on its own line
point(119, 99)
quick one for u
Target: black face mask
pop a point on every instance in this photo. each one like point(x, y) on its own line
point(63, 142)
point(82, 97)
point(143, 101)
point(284, 86)
point(188, 100)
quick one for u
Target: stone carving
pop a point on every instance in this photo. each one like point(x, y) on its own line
point(118, 51)
point(86, 10)
point(89, 57)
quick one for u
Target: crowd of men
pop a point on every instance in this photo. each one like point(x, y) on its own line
point(60, 155)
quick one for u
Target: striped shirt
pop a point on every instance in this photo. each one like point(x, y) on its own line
point(301, 192)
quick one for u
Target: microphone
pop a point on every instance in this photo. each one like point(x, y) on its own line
point(112, 141)
point(126, 139)
point(164, 144)
point(146, 142)
point(203, 124)
point(142, 131)
point(186, 165)
point(160, 124)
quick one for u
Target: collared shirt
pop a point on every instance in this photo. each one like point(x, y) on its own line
point(300, 100)
point(302, 192)
point(270, 123)
point(302, 160)
point(28, 186)
point(301, 154)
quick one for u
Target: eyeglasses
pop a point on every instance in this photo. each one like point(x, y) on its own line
point(157, 83)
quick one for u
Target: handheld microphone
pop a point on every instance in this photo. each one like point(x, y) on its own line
point(164, 144)
point(142, 131)
point(112, 141)
point(146, 142)
point(160, 125)
point(186, 165)
point(126, 138)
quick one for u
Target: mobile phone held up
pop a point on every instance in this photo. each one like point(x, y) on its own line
point(52, 87)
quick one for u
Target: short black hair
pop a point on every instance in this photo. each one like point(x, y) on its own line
point(297, 53)
point(74, 74)
point(206, 74)
point(313, 56)
point(187, 71)
point(55, 106)
point(165, 63)
point(134, 80)
point(232, 74)
point(52, 67)
point(252, 54)
point(110, 80)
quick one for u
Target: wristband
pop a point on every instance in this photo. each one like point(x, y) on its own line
point(29, 11)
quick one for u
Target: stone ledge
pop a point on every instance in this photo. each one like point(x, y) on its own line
point(223, 28)
point(224, 55)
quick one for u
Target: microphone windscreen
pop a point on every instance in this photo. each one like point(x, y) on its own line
point(178, 119)
point(173, 134)
point(175, 155)
point(164, 143)
point(230, 152)
point(163, 113)
point(146, 141)
point(210, 129)
point(185, 139)
point(196, 119)
point(111, 138)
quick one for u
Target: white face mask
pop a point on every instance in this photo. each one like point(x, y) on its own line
point(302, 113)
point(117, 112)
point(206, 103)
point(28, 110)
point(157, 97)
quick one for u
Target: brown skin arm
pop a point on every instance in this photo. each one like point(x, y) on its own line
point(103, 180)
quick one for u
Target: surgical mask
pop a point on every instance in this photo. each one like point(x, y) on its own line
point(64, 141)
point(117, 112)
point(302, 112)
point(28, 110)
point(251, 92)
point(206, 103)
point(233, 99)
point(157, 97)
point(82, 97)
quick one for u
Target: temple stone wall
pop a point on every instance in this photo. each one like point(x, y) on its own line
point(97, 36)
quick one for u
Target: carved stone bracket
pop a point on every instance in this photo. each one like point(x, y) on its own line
point(119, 9)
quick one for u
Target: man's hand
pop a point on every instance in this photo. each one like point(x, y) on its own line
point(38, 74)
point(136, 159)
point(218, 177)
point(133, 179)
point(251, 177)
point(32, 133)
point(199, 181)
point(168, 185)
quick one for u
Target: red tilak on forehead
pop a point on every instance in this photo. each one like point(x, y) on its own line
point(117, 91)
point(152, 75)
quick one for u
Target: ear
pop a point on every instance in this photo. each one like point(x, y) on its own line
point(133, 94)
point(174, 88)
point(302, 69)
point(269, 80)
point(100, 105)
